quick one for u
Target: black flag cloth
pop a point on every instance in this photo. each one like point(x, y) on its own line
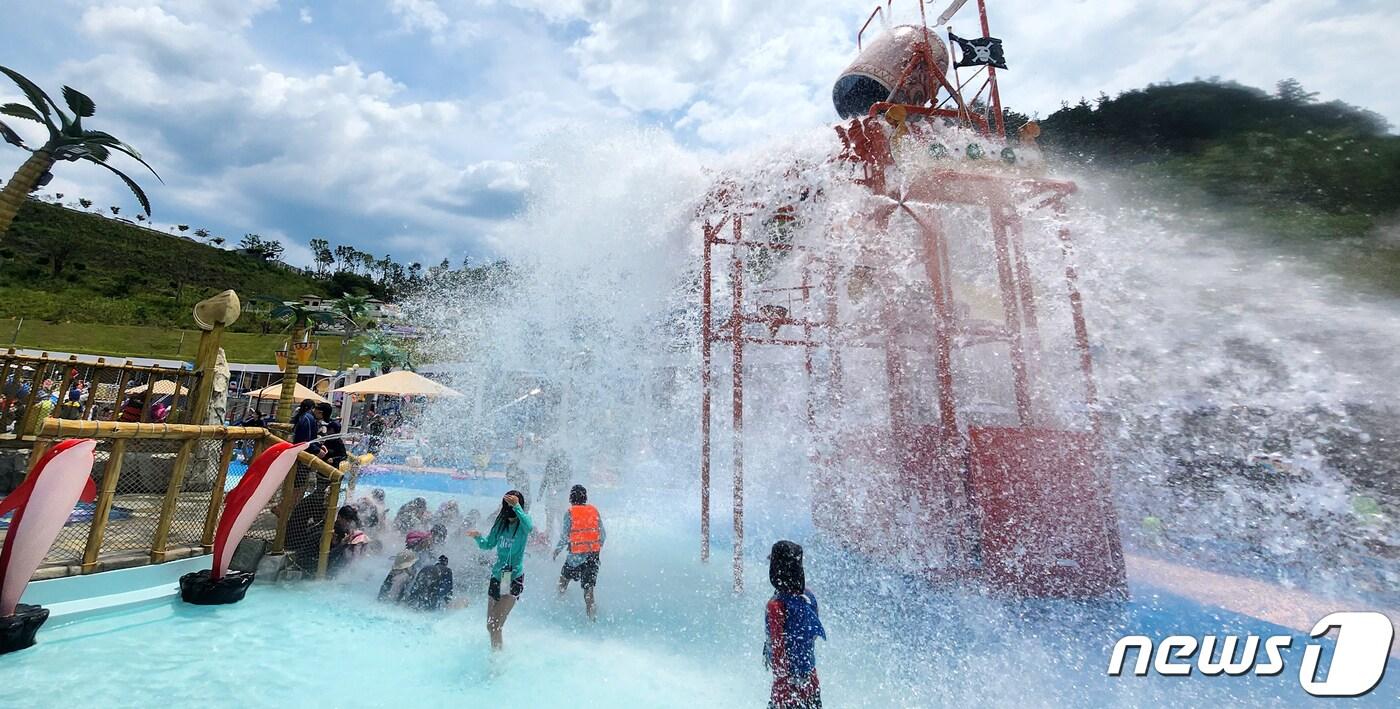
point(983, 51)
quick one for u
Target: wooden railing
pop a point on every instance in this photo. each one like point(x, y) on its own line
point(90, 391)
point(167, 480)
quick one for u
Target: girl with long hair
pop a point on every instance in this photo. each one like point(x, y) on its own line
point(508, 537)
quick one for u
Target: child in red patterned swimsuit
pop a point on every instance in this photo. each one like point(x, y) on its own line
point(793, 627)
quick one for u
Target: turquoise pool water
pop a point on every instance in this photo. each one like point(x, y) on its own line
point(671, 634)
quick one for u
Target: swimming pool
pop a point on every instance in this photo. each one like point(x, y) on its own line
point(671, 633)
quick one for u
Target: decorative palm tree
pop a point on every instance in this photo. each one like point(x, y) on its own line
point(351, 310)
point(301, 321)
point(384, 354)
point(68, 140)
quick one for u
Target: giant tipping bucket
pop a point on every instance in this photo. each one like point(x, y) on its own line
point(879, 72)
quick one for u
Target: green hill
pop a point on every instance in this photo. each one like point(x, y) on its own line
point(1321, 178)
point(158, 342)
point(63, 265)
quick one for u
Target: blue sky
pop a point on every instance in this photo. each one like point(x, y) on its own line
point(403, 126)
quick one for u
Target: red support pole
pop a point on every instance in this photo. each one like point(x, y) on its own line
point(992, 73)
point(707, 341)
point(810, 350)
point(1081, 330)
point(938, 271)
point(833, 313)
point(1013, 320)
point(1027, 287)
point(894, 375)
point(737, 323)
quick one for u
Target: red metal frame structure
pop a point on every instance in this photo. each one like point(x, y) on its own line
point(1029, 511)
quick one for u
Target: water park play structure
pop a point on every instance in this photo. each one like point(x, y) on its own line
point(930, 277)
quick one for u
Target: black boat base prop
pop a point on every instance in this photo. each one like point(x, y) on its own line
point(17, 631)
point(199, 589)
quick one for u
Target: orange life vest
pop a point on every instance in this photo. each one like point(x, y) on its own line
point(585, 532)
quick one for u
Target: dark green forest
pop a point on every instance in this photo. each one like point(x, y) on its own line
point(1280, 163)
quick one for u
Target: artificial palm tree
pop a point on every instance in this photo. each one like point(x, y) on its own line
point(385, 354)
point(352, 310)
point(68, 140)
point(301, 320)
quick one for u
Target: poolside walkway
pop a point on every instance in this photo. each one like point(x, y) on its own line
point(1291, 608)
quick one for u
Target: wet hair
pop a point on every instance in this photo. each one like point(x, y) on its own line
point(578, 495)
point(785, 567)
point(348, 512)
point(507, 514)
point(439, 533)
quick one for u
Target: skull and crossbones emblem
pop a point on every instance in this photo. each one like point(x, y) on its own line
point(982, 53)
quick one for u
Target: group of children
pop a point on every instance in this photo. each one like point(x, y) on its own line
point(421, 577)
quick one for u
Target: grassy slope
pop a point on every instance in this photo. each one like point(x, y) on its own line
point(150, 341)
point(128, 291)
point(117, 273)
point(1322, 179)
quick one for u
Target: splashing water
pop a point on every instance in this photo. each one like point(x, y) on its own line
point(1246, 398)
point(1247, 395)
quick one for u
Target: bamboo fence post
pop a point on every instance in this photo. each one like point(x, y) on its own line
point(328, 526)
point(284, 509)
point(28, 421)
point(216, 497)
point(104, 505)
point(63, 386)
point(120, 393)
point(94, 377)
point(150, 391)
point(36, 453)
point(204, 364)
point(172, 497)
point(149, 431)
point(5, 377)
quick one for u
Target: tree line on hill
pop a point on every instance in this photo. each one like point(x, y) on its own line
point(1325, 169)
point(343, 269)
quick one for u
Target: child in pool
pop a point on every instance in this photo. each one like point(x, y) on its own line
point(793, 626)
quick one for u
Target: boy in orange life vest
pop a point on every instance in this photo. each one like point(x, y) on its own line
point(583, 535)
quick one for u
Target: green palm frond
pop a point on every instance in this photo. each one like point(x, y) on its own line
point(19, 110)
point(135, 188)
point(36, 96)
point(10, 136)
point(97, 137)
point(78, 102)
point(98, 152)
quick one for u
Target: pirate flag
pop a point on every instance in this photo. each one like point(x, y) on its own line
point(983, 51)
